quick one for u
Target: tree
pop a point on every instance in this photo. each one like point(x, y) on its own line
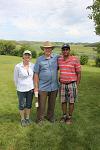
point(95, 15)
point(23, 48)
point(7, 46)
point(34, 54)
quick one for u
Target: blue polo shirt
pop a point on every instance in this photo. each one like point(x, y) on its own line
point(47, 70)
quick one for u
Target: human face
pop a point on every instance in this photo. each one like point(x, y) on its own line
point(47, 51)
point(26, 58)
point(65, 52)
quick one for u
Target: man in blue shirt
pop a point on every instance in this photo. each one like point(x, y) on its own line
point(46, 82)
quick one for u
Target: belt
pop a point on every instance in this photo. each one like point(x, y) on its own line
point(69, 82)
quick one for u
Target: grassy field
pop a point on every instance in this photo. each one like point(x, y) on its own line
point(83, 134)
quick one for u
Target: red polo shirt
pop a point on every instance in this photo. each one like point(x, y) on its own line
point(68, 68)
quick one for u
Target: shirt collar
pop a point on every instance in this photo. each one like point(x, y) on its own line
point(50, 56)
point(22, 65)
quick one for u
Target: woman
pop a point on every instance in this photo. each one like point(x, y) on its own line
point(23, 78)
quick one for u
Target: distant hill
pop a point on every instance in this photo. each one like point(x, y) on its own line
point(92, 44)
point(58, 44)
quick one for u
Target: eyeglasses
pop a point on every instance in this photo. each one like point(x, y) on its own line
point(65, 49)
point(47, 48)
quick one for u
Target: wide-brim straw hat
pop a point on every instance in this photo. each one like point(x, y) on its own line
point(47, 44)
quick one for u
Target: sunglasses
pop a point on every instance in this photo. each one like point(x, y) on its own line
point(65, 49)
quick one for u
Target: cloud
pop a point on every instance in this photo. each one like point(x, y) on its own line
point(46, 20)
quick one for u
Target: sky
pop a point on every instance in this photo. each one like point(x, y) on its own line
point(42, 20)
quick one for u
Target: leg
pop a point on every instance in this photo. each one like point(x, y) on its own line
point(51, 104)
point(21, 98)
point(29, 98)
point(71, 108)
point(22, 114)
point(63, 91)
point(72, 95)
point(28, 120)
point(27, 113)
point(64, 108)
point(42, 102)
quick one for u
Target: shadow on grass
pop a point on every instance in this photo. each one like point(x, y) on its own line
point(10, 117)
point(57, 136)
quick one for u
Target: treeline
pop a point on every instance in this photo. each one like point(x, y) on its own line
point(16, 48)
point(13, 48)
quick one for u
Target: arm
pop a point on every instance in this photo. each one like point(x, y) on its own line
point(36, 81)
point(78, 78)
point(78, 71)
point(16, 75)
point(36, 76)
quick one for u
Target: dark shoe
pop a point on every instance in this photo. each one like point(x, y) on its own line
point(23, 123)
point(63, 119)
point(69, 120)
point(40, 122)
point(45, 118)
point(52, 120)
point(28, 121)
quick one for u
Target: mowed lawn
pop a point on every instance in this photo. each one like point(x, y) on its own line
point(83, 134)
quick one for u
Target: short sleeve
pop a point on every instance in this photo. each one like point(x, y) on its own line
point(37, 67)
point(77, 65)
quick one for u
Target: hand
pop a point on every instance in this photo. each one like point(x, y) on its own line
point(36, 90)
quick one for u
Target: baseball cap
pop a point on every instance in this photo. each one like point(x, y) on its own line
point(65, 46)
point(27, 52)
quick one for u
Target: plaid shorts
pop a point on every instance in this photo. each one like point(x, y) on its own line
point(68, 92)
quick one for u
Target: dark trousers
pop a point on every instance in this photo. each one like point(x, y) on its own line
point(43, 97)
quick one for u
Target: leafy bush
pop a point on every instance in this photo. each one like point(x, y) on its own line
point(2, 52)
point(6, 47)
point(15, 52)
point(40, 54)
point(34, 54)
point(97, 48)
point(84, 59)
point(22, 49)
point(97, 60)
point(19, 52)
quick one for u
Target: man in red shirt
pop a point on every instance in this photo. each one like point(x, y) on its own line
point(70, 75)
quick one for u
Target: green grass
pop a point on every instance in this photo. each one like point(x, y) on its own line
point(83, 134)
